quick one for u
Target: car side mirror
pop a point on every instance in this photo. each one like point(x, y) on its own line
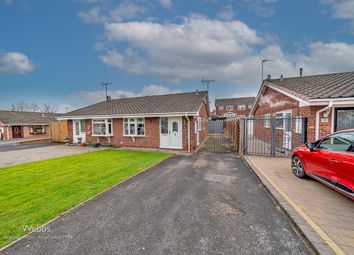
point(311, 146)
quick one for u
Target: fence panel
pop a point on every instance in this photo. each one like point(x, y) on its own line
point(58, 131)
point(273, 136)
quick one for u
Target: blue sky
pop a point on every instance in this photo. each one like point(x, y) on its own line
point(59, 51)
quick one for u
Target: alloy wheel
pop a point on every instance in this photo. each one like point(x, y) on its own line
point(297, 167)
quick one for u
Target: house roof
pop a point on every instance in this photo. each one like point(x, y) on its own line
point(235, 101)
point(333, 85)
point(25, 118)
point(189, 102)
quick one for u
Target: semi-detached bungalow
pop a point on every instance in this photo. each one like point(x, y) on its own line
point(326, 100)
point(172, 121)
point(20, 124)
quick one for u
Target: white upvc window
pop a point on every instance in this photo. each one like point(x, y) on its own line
point(279, 122)
point(221, 107)
point(102, 127)
point(229, 107)
point(250, 106)
point(267, 120)
point(241, 107)
point(134, 126)
point(298, 124)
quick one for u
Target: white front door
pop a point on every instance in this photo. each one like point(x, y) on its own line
point(171, 132)
point(79, 131)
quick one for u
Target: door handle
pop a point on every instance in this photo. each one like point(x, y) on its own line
point(333, 160)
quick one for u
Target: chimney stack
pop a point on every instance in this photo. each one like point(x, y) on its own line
point(108, 98)
point(301, 69)
point(281, 77)
point(269, 77)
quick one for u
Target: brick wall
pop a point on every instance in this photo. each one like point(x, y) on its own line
point(273, 101)
point(26, 132)
point(235, 110)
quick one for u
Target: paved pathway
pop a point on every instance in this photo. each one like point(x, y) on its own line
point(207, 203)
point(330, 211)
point(18, 154)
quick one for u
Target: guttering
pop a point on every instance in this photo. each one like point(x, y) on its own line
point(326, 101)
point(317, 133)
point(189, 133)
point(112, 116)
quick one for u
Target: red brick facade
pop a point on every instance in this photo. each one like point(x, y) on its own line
point(272, 102)
point(151, 139)
point(7, 132)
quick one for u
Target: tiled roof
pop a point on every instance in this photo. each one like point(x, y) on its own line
point(171, 103)
point(333, 85)
point(235, 101)
point(25, 118)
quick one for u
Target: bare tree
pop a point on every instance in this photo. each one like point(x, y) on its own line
point(49, 108)
point(35, 107)
point(20, 106)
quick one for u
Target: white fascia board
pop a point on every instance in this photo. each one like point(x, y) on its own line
point(257, 98)
point(336, 101)
point(120, 116)
point(300, 100)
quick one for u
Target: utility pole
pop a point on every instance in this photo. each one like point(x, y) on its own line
point(105, 84)
point(263, 61)
point(207, 82)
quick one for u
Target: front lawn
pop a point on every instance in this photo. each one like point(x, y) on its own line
point(33, 193)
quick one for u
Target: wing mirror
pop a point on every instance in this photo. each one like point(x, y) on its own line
point(311, 146)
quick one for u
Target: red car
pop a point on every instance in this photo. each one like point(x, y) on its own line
point(329, 160)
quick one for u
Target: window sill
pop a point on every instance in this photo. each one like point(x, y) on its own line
point(134, 135)
point(102, 135)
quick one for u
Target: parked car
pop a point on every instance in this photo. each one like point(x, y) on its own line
point(329, 160)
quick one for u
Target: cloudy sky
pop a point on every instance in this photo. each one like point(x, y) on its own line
point(60, 51)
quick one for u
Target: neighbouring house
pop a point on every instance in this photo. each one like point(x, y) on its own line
point(325, 101)
point(20, 124)
point(172, 121)
point(233, 107)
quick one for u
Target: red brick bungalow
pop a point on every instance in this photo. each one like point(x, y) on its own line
point(233, 107)
point(326, 100)
point(20, 124)
point(173, 121)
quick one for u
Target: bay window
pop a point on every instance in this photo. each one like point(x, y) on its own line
point(102, 127)
point(134, 126)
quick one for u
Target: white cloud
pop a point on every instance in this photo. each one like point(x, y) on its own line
point(63, 108)
point(91, 16)
point(166, 3)
point(123, 11)
point(227, 13)
point(97, 96)
point(342, 9)
point(228, 51)
point(15, 62)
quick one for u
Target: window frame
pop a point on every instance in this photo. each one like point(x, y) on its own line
point(229, 107)
point(221, 107)
point(242, 107)
point(267, 118)
point(136, 123)
point(32, 130)
point(108, 122)
point(335, 120)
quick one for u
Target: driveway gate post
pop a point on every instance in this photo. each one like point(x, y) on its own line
point(273, 137)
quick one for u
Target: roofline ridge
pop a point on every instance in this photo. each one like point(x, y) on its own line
point(312, 75)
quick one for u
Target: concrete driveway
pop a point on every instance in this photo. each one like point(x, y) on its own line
point(13, 154)
point(202, 204)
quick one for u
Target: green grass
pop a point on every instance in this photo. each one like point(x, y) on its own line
point(33, 193)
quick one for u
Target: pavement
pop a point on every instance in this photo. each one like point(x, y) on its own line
point(324, 216)
point(13, 154)
point(207, 203)
point(22, 140)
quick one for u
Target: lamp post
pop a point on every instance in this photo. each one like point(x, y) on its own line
point(263, 61)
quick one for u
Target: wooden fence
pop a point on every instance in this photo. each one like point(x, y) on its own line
point(232, 130)
point(58, 131)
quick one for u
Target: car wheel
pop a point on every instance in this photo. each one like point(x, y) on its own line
point(298, 167)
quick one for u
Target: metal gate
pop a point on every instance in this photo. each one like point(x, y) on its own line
point(218, 140)
point(273, 136)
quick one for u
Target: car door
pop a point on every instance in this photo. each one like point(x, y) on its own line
point(346, 172)
point(331, 152)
